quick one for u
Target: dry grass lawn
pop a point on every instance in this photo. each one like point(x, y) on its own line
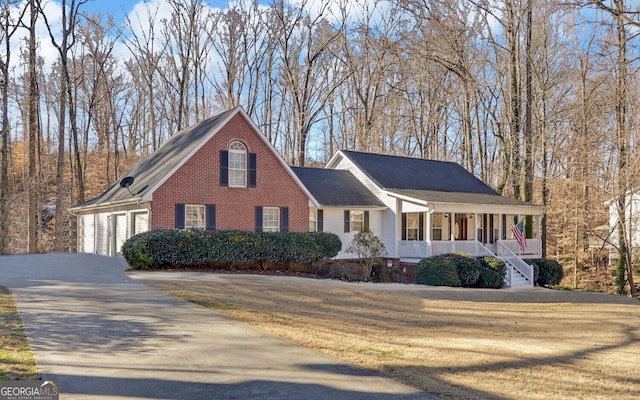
point(16, 358)
point(453, 343)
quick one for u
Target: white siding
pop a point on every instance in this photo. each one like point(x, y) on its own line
point(140, 222)
point(386, 231)
point(86, 234)
point(121, 232)
point(334, 223)
point(104, 232)
point(632, 213)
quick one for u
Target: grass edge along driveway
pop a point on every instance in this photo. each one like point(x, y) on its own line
point(16, 359)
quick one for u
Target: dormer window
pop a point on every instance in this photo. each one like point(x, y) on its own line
point(237, 165)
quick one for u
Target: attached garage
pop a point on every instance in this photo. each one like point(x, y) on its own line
point(103, 232)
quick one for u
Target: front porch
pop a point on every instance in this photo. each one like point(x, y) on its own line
point(428, 233)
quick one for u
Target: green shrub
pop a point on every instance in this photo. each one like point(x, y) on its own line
point(493, 273)
point(458, 269)
point(329, 245)
point(194, 247)
point(437, 271)
point(547, 272)
point(468, 267)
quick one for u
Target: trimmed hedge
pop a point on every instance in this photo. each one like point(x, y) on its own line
point(493, 273)
point(547, 272)
point(437, 271)
point(468, 266)
point(194, 247)
point(458, 269)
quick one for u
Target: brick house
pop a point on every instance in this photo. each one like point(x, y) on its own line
point(219, 174)
point(223, 174)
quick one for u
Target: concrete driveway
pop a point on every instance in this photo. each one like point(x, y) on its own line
point(101, 335)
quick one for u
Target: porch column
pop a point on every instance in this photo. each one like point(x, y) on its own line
point(398, 228)
point(475, 227)
point(427, 233)
point(452, 226)
point(538, 226)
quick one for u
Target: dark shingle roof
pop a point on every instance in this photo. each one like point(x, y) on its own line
point(151, 170)
point(395, 172)
point(460, 198)
point(336, 188)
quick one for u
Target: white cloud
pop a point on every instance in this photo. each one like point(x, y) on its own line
point(46, 49)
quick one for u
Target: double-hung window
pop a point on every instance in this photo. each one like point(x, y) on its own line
point(237, 165)
point(271, 219)
point(413, 226)
point(436, 226)
point(357, 221)
point(194, 216)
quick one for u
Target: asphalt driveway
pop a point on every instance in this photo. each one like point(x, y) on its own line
point(101, 335)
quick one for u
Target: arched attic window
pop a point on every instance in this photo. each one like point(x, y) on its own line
point(237, 164)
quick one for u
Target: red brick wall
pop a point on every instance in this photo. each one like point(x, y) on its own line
point(198, 182)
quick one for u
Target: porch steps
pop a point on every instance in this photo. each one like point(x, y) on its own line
point(518, 281)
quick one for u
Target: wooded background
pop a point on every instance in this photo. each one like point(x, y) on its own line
point(538, 98)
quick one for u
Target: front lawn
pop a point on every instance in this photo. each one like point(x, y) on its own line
point(453, 343)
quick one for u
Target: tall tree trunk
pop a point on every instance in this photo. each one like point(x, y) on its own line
point(514, 90)
point(4, 133)
point(58, 230)
point(527, 182)
point(32, 132)
point(624, 257)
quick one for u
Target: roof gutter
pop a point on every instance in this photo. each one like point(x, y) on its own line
point(542, 209)
point(74, 210)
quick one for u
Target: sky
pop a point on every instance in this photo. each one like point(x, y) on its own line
point(120, 8)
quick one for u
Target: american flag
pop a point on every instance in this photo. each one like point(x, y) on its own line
point(518, 233)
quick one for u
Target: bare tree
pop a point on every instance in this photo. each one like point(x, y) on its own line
point(33, 128)
point(303, 40)
point(183, 35)
point(66, 99)
point(9, 28)
point(143, 70)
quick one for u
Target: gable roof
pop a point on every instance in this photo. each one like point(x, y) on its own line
point(405, 173)
point(426, 180)
point(152, 171)
point(336, 188)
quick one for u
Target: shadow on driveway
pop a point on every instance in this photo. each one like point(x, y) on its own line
point(100, 334)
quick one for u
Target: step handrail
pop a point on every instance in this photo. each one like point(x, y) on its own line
point(516, 262)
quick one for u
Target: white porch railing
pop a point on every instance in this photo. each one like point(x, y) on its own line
point(460, 246)
point(533, 250)
point(421, 249)
point(506, 254)
point(413, 249)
